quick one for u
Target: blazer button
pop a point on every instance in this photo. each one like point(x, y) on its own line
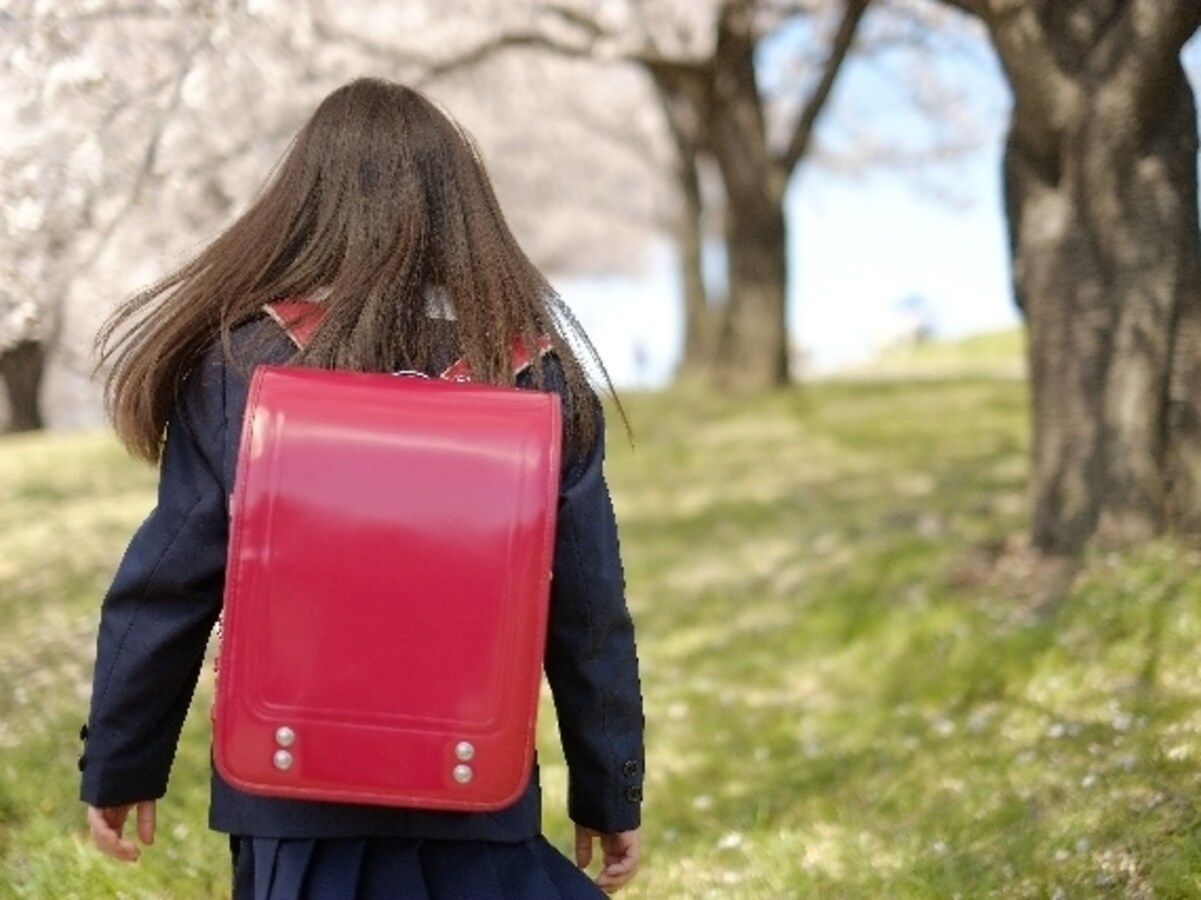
point(629, 768)
point(634, 794)
point(83, 733)
point(83, 762)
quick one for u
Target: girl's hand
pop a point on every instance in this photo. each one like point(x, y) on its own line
point(107, 825)
point(620, 856)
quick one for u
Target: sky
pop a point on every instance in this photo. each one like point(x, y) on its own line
point(858, 250)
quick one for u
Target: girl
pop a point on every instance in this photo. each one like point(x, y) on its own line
point(382, 212)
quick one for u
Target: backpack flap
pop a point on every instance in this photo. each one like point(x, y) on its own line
point(386, 596)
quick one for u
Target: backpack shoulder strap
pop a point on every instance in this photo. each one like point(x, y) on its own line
point(299, 318)
point(522, 357)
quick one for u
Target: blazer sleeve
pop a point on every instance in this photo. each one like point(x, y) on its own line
point(157, 616)
point(591, 659)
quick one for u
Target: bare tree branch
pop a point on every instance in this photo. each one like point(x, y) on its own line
point(149, 157)
point(431, 69)
point(667, 67)
point(387, 52)
point(484, 51)
point(141, 12)
point(844, 37)
point(577, 19)
point(1163, 27)
point(978, 8)
point(134, 101)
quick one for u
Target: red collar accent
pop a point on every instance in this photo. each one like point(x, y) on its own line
point(299, 318)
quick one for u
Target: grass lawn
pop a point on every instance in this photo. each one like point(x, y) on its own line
point(845, 697)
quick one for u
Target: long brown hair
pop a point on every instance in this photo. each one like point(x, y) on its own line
point(382, 205)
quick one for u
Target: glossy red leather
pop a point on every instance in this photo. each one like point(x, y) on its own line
point(387, 589)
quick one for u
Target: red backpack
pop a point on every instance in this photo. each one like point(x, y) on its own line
point(387, 586)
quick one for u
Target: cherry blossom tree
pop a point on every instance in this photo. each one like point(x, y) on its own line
point(114, 129)
point(137, 129)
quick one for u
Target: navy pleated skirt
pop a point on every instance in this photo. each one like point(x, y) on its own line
point(404, 869)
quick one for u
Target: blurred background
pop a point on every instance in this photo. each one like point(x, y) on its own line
point(904, 301)
point(132, 132)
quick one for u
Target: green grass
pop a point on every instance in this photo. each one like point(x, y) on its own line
point(844, 698)
point(991, 354)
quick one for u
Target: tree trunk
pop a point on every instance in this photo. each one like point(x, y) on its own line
point(21, 368)
point(683, 95)
point(700, 314)
point(753, 344)
point(752, 348)
point(1101, 190)
point(714, 112)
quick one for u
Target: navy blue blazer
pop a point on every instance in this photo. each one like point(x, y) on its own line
point(165, 599)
